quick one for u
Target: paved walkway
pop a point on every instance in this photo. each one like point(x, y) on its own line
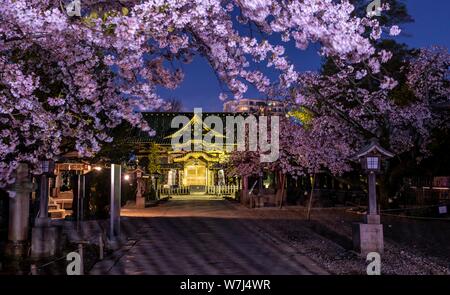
point(192, 236)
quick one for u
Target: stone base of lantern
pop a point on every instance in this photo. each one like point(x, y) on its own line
point(368, 238)
point(372, 219)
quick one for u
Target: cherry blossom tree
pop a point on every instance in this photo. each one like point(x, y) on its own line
point(358, 106)
point(298, 155)
point(66, 80)
point(400, 113)
point(342, 111)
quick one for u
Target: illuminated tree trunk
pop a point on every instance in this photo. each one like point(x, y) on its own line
point(281, 190)
point(244, 192)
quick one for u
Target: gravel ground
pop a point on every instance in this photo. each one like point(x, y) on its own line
point(411, 247)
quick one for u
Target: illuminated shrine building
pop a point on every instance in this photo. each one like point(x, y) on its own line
point(195, 164)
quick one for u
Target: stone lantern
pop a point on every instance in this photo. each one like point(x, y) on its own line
point(19, 193)
point(368, 236)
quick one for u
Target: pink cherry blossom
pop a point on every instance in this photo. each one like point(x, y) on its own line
point(394, 31)
point(65, 81)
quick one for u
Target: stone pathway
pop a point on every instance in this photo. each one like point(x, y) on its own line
point(195, 236)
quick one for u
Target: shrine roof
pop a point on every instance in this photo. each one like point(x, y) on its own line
point(160, 122)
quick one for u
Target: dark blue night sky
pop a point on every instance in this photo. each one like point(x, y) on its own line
point(201, 87)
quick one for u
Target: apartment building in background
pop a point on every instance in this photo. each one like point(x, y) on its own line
point(253, 105)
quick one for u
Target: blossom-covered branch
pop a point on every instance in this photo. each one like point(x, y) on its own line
point(65, 81)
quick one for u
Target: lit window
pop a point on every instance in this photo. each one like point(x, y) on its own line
point(372, 163)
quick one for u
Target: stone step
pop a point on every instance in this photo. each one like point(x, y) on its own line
point(52, 206)
point(57, 213)
point(64, 203)
point(65, 195)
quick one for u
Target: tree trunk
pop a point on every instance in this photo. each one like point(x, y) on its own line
point(308, 213)
point(282, 183)
point(244, 192)
point(383, 191)
point(87, 191)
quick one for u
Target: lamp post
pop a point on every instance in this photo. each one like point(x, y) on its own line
point(372, 165)
point(115, 202)
point(368, 236)
point(371, 157)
